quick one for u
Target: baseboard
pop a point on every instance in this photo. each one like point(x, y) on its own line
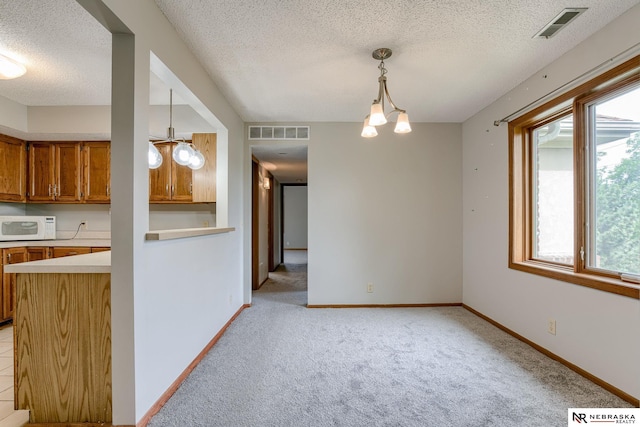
point(176, 384)
point(444, 304)
point(605, 385)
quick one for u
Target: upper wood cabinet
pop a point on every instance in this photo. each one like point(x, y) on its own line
point(12, 169)
point(97, 172)
point(172, 183)
point(55, 172)
point(204, 179)
point(69, 172)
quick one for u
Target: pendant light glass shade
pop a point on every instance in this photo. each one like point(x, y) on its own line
point(10, 69)
point(368, 131)
point(377, 117)
point(155, 158)
point(402, 125)
point(196, 161)
point(182, 153)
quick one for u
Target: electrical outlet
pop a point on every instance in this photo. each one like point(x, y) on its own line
point(84, 225)
point(551, 327)
point(205, 223)
point(369, 287)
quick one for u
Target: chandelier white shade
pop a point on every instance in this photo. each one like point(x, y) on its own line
point(377, 115)
point(184, 153)
point(10, 69)
point(368, 131)
point(155, 158)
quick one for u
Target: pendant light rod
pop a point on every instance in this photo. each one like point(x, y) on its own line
point(382, 54)
point(170, 131)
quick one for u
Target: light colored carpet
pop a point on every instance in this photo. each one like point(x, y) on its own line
point(282, 364)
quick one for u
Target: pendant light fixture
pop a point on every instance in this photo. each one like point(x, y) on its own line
point(377, 116)
point(184, 153)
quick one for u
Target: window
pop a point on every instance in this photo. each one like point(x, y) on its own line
point(575, 185)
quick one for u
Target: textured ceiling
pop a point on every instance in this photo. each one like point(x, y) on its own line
point(309, 61)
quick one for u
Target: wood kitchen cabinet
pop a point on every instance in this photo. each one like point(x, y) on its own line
point(172, 183)
point(37, 253)
point(60, 251)
point(55, 172)
point(97, 172)
point(13, 170)
point(10, 256)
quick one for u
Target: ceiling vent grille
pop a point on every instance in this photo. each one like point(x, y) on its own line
point(559, 22)
point(279, 132)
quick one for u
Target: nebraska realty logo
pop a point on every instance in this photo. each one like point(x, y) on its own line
point(581, 416)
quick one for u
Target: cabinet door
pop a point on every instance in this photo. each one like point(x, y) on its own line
point(13, 173)
point(160, 178)
point(10, 256)
point(37, 253)
point(97, 172)
point(181, 179)
point(60, 251)
point(68, 172)
point(204, 179)
point(41, 172)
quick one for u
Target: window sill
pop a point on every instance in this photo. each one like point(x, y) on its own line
point(182, 233)
point(606, 284)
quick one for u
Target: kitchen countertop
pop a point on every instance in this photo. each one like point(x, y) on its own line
point(99, 262)
point(95, 242)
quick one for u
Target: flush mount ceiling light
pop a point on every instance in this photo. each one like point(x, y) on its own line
point(184, 154)
point(377, 116)
point(10, 69)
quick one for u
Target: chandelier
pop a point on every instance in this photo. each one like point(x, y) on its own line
point(377, 116)
point(184, 154)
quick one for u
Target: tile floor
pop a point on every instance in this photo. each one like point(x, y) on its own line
point(8, 416)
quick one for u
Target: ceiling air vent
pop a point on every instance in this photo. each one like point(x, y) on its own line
point(279, 132)
point(559, 22)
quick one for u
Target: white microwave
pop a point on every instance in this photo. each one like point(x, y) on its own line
point(27, 228)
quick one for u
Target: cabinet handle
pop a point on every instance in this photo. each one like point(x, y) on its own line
point(166, 190)
point(72, 253)
point(49, 190)
point(9, 258)
point(108, 190)
point(191, 188)
point(55, 190)
point(173, 190)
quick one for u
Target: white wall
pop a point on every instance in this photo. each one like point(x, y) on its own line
point(596, 331)
point(295, 217)
point(162, 289)
point(385, 210)
point(12, 209)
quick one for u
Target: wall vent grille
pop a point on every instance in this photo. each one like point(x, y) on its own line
point(278, 132)
point(559, 22)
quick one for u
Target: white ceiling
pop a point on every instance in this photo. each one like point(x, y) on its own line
point(308, 61)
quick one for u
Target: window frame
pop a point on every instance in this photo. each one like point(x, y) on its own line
point(521, 232)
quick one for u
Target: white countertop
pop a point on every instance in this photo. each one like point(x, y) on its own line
point(98, 262)
point(94, 242)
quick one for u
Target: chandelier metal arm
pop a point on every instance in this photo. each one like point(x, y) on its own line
point(384, 92)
